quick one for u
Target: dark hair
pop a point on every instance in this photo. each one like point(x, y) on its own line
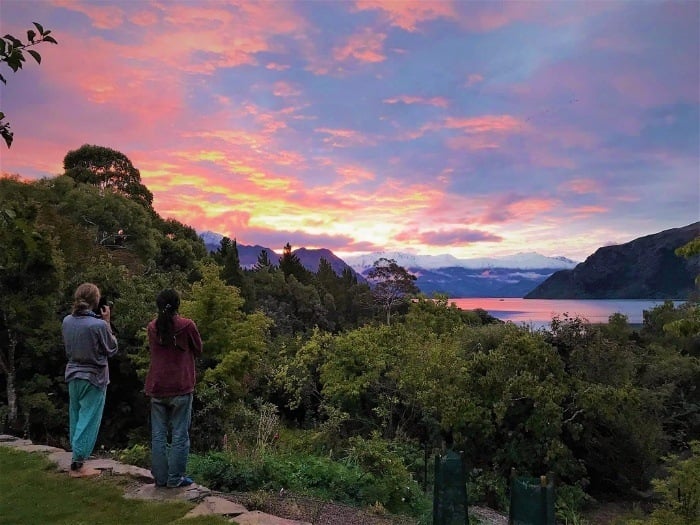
point(168, 302)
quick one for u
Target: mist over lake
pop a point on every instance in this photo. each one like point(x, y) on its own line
point(539, 312)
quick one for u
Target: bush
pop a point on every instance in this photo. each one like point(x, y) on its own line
point(139, 455)
point(310, 475)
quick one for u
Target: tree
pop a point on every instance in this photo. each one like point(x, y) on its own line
point(291, 265)
point(31, 273)
point(107, 168)
point(393, 284)
point(264, 263)
point(228, 256)
point(12, 54)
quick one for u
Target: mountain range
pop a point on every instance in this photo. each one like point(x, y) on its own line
point(509, 276)
point(645, 268)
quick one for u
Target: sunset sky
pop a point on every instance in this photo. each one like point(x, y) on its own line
point(465, 127)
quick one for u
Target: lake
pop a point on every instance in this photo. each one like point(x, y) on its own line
point(539, 312)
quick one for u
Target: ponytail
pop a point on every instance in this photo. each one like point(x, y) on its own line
point(168, 303)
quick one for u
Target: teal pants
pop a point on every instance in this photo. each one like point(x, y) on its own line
point(85, 414)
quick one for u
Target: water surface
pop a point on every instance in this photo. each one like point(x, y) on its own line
point(539, 312)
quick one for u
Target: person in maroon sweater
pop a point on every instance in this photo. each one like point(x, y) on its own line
point(174, 343)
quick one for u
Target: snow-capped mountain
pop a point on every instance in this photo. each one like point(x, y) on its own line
point(520, 261)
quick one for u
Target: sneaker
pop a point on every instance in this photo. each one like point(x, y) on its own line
point(76, 465)
point(183, 482)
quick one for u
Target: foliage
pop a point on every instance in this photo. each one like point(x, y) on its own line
point(393, 285)
point(12, 55)
point(107, 168)
point(139, 455)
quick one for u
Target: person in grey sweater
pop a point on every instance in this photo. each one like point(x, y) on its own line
point(89, 342)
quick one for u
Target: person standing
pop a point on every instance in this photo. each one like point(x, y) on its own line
point(89, 342)
point(174, 343)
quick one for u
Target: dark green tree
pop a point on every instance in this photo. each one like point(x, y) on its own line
point(263, 263)
point(107, 168)
point(291, 265)
point(12, 55)
point(231, 272)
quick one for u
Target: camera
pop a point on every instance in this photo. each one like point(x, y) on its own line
point(98, 311)
point(103, 302)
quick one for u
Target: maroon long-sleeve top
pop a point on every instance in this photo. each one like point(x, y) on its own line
point(172, 369)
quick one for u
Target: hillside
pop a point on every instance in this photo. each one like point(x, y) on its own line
point(645, 268)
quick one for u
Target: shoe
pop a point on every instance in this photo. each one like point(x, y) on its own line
point(76, 465)
point(184, 482)
point(84, 472)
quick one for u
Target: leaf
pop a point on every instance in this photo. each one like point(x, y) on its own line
point(30, 35)
point(36, 55)
point(15, 41)
point(50, 39)
point(39, 28)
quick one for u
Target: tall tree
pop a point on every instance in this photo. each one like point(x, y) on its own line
point(107, 168)
point(264, 263)
point(31, 273)
point(231, 273)
point(12, 55)
point(291, 265)
point(392, 285)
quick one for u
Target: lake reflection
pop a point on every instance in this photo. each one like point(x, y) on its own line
point(539, 312)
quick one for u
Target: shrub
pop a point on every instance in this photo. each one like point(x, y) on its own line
point(139, 455)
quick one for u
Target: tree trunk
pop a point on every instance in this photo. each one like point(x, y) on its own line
point(7, 366)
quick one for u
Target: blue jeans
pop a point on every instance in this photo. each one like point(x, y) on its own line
point(170, 415)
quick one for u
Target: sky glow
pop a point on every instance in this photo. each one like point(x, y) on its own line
point(465, 127)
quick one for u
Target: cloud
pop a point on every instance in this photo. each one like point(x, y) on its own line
point(581, 186)
point(439, 102)
point(366, 46)
point(449, 237)
point(409, 14)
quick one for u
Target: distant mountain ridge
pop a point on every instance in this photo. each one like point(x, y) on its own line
point(521, 261)
point(309, 258)
point(644, 268)
point(509, 276)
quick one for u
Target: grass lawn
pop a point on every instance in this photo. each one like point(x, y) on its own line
point(33, 493)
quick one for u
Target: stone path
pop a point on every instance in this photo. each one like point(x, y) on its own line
point(144, 487)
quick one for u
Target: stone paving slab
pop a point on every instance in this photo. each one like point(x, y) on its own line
point(217, 505)
point(12, 441)
point(151, 492)
point(260, 518)
point(35, 448)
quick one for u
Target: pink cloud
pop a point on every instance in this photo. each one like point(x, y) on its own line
point(449, 237)
point(474, 79)
point(285, 89)
point(581, 186)
point(342, 138)
point(439, 102)
point(366, 46)
point(408, 14)
point(101, 16)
